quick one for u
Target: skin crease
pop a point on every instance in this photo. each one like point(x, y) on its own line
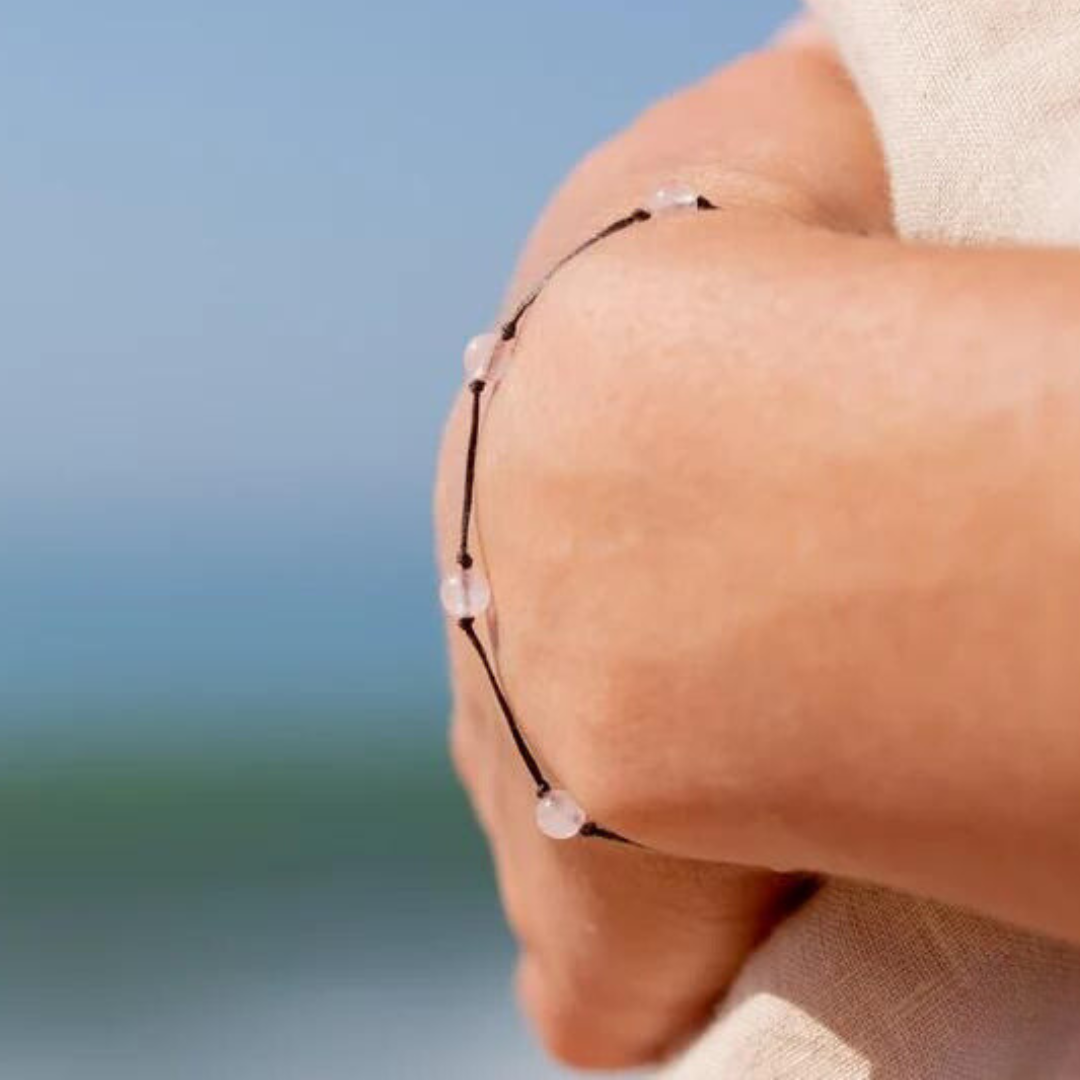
point(780, 519)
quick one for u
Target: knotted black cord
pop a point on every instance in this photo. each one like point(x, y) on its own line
point(542, 785)
point(467, 625)
point(509, 328)
point(476, 388)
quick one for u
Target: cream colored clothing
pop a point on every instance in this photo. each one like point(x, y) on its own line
point(867, 984)
point(978, 107)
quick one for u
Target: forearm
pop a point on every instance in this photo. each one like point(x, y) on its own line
point(807, 506)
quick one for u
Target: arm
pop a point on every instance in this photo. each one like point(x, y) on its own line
point(810, 520)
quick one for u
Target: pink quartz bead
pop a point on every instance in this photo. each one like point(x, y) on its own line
point(558, 815)
point(483, 357)
point(465, 594)
point(674, 198)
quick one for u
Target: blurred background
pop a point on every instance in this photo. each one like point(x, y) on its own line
point(242, 246)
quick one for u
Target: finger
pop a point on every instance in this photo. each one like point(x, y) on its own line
point(793, 116)
point(626, 948)
point(803, 31)
point(628, 997)
point(572, 1029)
point(783, 128)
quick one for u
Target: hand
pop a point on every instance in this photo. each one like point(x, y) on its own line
point(624, 951)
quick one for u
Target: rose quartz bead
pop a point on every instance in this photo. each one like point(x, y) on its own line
point(483, 357)
point(672, 198)
point(558, 815)
point(465, 594)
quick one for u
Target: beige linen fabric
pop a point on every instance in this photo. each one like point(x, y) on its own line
point(978, 107)
point(866, 984)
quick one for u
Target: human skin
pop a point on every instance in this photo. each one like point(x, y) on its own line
point(780, 518)
point(625, 952)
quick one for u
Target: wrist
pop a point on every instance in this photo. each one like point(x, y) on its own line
point(603, 533)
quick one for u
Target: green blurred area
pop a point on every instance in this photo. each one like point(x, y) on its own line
point(275, 908)
point(243, 245)
point(385, 816)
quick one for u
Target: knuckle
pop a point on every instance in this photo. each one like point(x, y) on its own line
point(566, 1022)
point(517, 910)
point(461, 749)
point(466, 760)
point(446, 494)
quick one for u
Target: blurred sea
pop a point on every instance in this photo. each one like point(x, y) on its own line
point(242, 245)
point(314, 915)
point(208, 868)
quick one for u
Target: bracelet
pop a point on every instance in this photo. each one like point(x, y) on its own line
point(465, 592)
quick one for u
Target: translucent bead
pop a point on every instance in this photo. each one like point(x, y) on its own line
point(558, 815)
point(483, 357)
point(465, 594)
point(672, 199)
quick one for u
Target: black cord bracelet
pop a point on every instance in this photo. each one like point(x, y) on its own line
point(465, 592)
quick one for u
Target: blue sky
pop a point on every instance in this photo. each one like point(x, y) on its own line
point(242, 246)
